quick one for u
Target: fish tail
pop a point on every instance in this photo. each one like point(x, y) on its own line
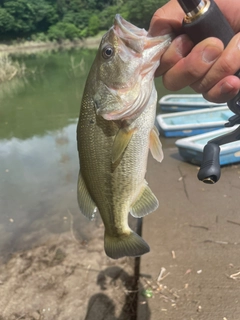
point(125, 245)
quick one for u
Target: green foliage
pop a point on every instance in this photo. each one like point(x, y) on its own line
point(60, 19)
point(40, 36)
point(84, 33)
point(79, 19)
point(23, 16)
point(93, 25)
point(141, 13)
point(6, 21)
point(71, 31)
point(29, 16)
point(56, 33)
point(63, 30)
point(106, 17)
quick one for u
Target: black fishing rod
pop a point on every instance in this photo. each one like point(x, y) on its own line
point(204, 19)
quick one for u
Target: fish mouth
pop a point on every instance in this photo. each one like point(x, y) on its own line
point(131, 35)
point(136, 38)
point(128, 27)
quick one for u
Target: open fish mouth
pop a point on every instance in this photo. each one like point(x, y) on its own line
point(128, 27)
point(136, 38)
point(131, 35)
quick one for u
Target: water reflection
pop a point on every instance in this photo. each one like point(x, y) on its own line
point(38, 185)
point(48, 98)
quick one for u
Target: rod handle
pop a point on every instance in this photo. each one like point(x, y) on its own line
point(210, 170)
point(211, 23)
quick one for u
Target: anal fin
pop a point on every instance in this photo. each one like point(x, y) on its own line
point(85, 202)
point(155, 145)
point(145, 203)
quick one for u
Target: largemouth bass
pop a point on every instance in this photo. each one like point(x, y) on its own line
point(116, 130)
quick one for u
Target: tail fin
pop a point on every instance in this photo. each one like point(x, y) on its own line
point(125, 245)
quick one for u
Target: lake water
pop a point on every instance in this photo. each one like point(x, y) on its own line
point(38, 153)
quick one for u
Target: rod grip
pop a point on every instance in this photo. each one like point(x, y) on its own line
point(210, 170)
point(211, 23)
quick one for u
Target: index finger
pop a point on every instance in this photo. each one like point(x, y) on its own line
point(167, 19)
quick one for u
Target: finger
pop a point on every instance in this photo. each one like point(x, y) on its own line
point(167, 19)
point(224, 90)
point(194, 66)
point(231, 12)
point(179, 48)
point(227, 64)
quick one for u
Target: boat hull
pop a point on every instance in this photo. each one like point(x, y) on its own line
point(189, 123)
point(191, 148)
point(185, 102)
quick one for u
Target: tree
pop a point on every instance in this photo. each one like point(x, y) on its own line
point(71, 31)
point(30, 16)
point(63, 30)
point(23, 16)
point(106, 17)
point(93, 25)
point(69, 18)
point(45, 14)
point(141, 11)
point(6, 21)
point(79, 19)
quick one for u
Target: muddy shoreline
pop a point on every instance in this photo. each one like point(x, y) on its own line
point(67, 278)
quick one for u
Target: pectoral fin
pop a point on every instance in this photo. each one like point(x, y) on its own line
point(121, 142)
point(85, 202)
point(155, 145)
point(144, 204)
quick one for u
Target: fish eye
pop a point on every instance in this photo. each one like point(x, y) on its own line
point(107, 52)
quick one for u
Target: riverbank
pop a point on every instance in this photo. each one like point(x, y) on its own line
point(10, 69)
point(33, 46)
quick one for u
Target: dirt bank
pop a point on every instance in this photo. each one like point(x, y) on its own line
point(65, 279)
point(32, 46)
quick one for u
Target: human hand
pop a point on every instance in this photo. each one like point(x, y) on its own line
point(208, 68)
